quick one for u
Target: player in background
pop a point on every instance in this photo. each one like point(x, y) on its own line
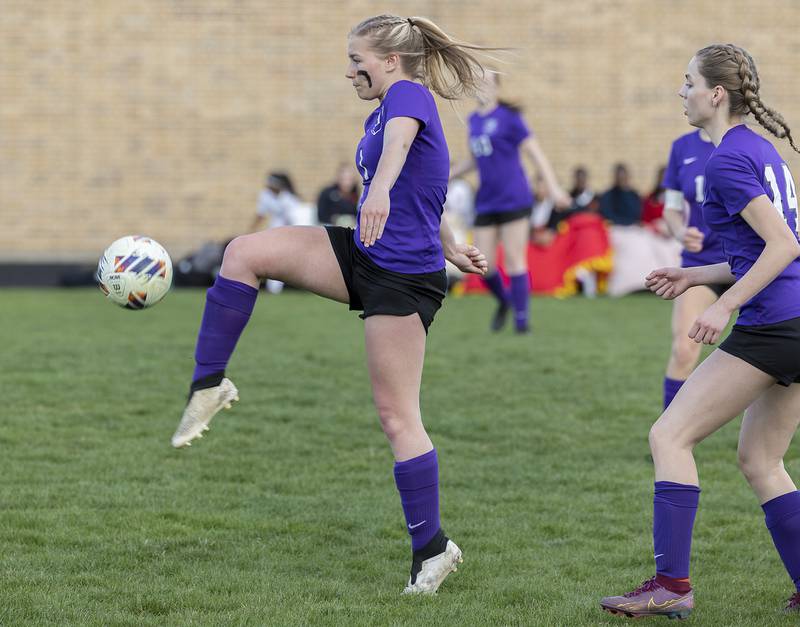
point(683, 183)
point(497, 135)
point(751, 203)
point(391, 266)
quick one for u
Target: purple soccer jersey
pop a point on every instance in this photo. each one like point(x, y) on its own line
point(686, 173)
point(410, 243)
point(494, 139)
point(743, 167)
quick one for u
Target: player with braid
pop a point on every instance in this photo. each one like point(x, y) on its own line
point(751, 203)
point(391, 266)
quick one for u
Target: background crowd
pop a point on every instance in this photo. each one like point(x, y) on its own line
point(604, 242)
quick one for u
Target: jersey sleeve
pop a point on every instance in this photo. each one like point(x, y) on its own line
point(519, 129)
point(671, 173)
point(734, 180)
point(407, 100)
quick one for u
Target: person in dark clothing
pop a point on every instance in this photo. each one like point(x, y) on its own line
point(338, 202)
point(621, 204)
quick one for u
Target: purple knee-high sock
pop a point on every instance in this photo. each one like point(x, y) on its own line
point(782, 517)
point(671, 387)
point(228, 308)
point(674, 509)
point(417, 481)
point(520, 296)
point(495, 284)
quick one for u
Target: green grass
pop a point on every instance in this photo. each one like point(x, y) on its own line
point(287, 514)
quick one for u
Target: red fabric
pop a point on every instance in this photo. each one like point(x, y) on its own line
point(582, 237)
point(652, 209)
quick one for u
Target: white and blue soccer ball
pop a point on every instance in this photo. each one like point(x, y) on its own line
point(135, 272)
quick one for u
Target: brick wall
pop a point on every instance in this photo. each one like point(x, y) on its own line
point(161, 116)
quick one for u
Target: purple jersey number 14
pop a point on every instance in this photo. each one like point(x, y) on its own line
point(791, 195)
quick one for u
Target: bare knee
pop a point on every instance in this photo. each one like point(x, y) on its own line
point(516, 264)
point(756, 468)
point(685, 354)
point(236, 255)
point(664, 439)
point(244, 256)
point(395, 422)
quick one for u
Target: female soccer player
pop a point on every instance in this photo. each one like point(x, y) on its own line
point(684, 182)
point(391, 266)
point(751, 203)
point(497, 134)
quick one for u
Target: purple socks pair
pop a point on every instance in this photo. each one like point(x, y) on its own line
point(674, 509)
point(519, 296)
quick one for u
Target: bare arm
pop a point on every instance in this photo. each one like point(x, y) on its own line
point(719, 273)
point(781, 248)
point(463, 256)
point(398, 136)
point(673, 213)
point(690, 237)
point(534, 151)
point(467, 164)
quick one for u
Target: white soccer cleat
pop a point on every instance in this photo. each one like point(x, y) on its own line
point(201, 408)
point(433, 571)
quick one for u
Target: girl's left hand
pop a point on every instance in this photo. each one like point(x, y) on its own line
point(468, 259)
point(374, 213)
point(711, 323)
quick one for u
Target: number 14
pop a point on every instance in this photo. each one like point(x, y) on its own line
point(791, 195)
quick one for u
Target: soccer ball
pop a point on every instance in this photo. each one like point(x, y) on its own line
point(135, 272)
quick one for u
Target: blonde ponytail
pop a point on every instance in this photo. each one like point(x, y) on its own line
point(445, 65)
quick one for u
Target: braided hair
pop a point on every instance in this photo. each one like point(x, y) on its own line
point(732, 68)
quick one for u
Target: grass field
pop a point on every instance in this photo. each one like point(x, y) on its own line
point(287, 513)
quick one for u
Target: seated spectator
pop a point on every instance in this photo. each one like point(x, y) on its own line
point(653, 206)
point(583, 196)
point(639, 248)
point(338, 203)
point(621, 204)
point(279, 205)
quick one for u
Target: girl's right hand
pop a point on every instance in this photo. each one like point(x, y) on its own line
point(668, 283)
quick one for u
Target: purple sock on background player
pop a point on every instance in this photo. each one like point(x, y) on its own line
point(495, 284)
point(782, 517)
point(674, 509)
point(671, 387)
point(228, 308)
point(417, 481)
point(521, 298)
